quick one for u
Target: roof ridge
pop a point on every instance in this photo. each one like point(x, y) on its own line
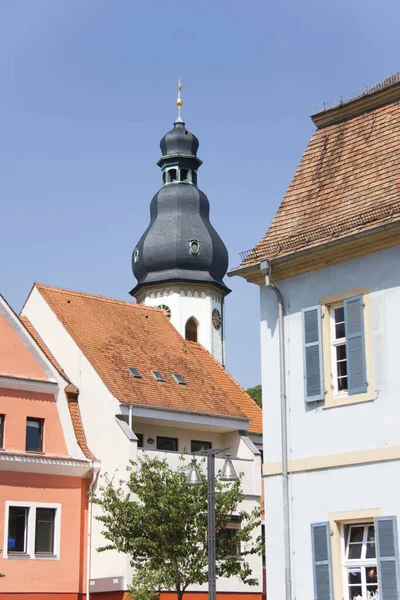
point(96, 296)
point(224, 370)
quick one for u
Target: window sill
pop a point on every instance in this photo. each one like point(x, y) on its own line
point(23, 556)
point(335, 401)
point(40, 452)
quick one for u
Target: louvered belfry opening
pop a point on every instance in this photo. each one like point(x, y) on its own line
point(191, 330)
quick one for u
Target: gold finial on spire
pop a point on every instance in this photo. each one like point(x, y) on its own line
point(179, 100)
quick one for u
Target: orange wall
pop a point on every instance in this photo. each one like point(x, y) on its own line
point(15, 358)
point(17, 405)
point(67, 574)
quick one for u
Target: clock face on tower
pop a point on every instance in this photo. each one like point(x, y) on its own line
point(216, 318)
point(166, 308)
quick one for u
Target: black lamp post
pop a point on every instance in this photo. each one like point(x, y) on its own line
point(228, 473)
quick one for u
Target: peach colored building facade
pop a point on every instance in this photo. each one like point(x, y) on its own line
point(44, 474)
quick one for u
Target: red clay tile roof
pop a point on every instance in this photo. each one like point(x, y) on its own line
point(72, 398)
point(115, 335)
point(29, 327)
point(348, 181)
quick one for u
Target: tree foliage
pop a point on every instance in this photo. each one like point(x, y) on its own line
point(256, 394)
point(160, 521)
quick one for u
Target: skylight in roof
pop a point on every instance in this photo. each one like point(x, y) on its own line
point(179, 379)
point(158, 376)
point(134, 372)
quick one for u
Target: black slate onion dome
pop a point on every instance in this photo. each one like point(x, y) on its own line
point(180, 244)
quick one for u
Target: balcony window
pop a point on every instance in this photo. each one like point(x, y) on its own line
point(167, 443)
point(198, 446)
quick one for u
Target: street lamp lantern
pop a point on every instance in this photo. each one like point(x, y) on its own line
point(228, 473)
point(194, 477)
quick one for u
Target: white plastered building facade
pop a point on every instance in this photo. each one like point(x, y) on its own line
point(110, 427)
point(344, 450)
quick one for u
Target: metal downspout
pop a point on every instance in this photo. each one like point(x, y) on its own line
point(266, 270)
point(95, 474)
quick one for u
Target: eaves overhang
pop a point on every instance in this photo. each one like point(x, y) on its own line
point(28, 384)
point(184, 418)
point(323, 254)
point(179, 155)
point(46, 465)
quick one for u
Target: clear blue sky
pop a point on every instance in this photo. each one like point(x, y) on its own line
point(88, 89)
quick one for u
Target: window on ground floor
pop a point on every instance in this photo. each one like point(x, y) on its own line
point(360, 562)
point(32, 530)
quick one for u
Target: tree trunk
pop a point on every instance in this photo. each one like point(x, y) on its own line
point(179, 592)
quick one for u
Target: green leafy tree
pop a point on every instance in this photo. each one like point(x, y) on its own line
point(256, 394)
point(160, 521)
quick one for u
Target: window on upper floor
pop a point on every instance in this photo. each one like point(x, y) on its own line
point(34, 435)
point(226, 540)
point(167, 443)
point(32, 530)
point(139, 439)
point(198, 446)
point(335, 366)
point(2, 420)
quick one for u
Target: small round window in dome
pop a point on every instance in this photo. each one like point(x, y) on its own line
point(194, 246)
point(166, 308)
point(136, 255)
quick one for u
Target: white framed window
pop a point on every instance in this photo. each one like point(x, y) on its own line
point(339, 354)
point(32, 530)
point(360, 564)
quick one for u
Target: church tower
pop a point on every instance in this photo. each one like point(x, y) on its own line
point(180, 260)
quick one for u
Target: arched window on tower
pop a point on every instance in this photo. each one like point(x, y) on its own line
point(172, 175)
point(186, 176)
point(191, 330)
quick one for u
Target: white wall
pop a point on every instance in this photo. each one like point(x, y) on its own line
point(315, 495)
point(313, 430)
point(112, 447)
point(191, 301)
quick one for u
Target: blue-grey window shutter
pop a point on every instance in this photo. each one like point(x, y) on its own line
point(387, 553)
point(355, 345)
point(312, 351)
point(322, 562)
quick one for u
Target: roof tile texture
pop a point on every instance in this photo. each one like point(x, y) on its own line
point(349, 170)
point(115, 335)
